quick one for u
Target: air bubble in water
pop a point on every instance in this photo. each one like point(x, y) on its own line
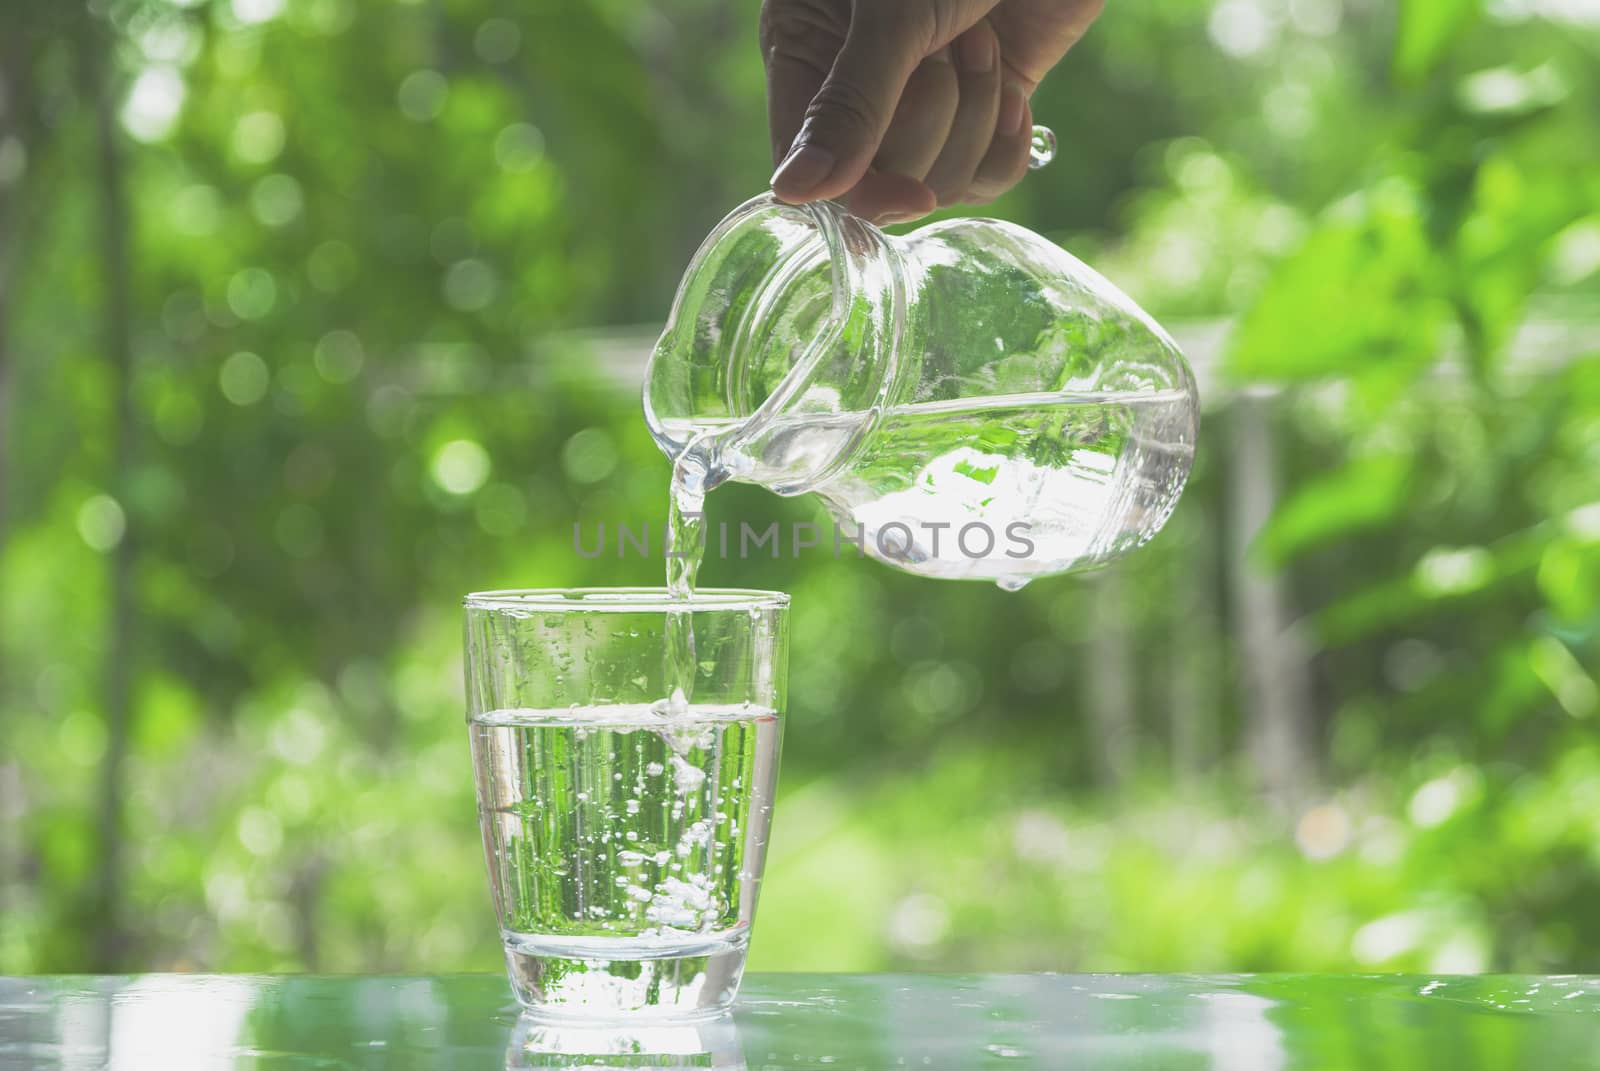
point(687, 777)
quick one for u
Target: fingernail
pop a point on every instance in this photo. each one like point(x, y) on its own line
point(941, 56)
point(1012, 105)
point(802, 171)
point(890, 219)
point(977, 52)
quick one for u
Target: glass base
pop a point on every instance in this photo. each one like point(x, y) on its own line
point(682, 1043)
point(626, 978)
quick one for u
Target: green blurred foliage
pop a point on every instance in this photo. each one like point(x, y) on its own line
point(364, 243)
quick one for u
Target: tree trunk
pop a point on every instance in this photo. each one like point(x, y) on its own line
point(1194, 653)
point(305, 897)
point(10, 771)
point(1109, 680)
point(1277, 700)
point(109, 892)
point(8, 230)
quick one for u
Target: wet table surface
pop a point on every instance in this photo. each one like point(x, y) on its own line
point(1232, 1022)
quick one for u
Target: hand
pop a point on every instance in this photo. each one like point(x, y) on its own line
point(902, 106)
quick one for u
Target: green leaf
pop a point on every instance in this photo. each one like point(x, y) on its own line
point(1502, 247)
point(981, 475)
point(1443, 577)
point(1569, 579)
point(1363, 493)
point(1512, 91)
point(1361, 294)
point(1427, 29)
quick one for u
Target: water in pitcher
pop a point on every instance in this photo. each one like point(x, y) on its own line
point(1012, 487)
point(1002, 488)
point(617, 836)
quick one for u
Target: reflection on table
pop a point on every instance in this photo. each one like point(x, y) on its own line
point(1225, 1022)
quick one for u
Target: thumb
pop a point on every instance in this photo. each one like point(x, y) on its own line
point(850, 113)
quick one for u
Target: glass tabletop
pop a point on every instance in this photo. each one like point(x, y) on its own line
point(1233, 1022)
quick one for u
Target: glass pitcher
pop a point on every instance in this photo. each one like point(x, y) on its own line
point(969, 400)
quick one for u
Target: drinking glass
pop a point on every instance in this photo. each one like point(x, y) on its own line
point(625, 828)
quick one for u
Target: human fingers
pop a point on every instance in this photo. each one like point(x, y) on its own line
point(1006, 162)
point(972, 130)
point(922, 119)
point(846, 119)
point(799, 42)
point(885, 197)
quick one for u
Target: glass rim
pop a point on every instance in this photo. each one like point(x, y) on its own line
point(622, 600)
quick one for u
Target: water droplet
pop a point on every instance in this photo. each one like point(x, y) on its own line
point(1042, 149)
